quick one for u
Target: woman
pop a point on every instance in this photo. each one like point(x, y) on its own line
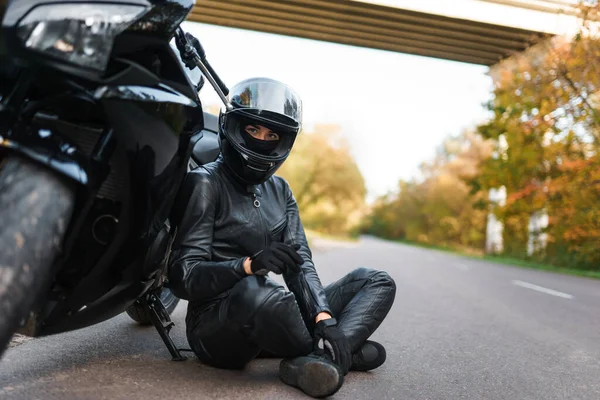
point(240, 223)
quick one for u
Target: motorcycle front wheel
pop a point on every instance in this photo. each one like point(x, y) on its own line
point(36, 206)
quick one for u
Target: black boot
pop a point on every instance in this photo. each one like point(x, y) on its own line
point(370, 356)
point(314, 374)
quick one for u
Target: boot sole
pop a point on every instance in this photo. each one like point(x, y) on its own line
point(315, 378)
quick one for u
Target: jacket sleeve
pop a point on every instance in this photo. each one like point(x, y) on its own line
point(192, 274)
point(306, 285)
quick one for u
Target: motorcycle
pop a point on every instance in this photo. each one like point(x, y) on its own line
point(99, 124)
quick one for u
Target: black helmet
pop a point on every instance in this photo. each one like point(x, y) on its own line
point(265, 102)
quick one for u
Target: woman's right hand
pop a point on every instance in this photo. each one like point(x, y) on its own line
point(278, 258)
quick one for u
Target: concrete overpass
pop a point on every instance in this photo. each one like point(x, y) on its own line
point(472, 31)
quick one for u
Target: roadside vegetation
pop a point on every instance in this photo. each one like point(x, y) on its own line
point(541, 146)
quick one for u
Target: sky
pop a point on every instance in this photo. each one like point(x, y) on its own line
point(394, 109)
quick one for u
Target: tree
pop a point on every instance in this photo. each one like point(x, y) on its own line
point(439, 208)
point(545, 135)
point(327, 184)
point(546, 128)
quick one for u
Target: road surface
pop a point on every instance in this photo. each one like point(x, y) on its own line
point(459, 329)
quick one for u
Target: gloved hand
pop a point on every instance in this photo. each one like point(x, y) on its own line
point(278, 258)
point(328, 338)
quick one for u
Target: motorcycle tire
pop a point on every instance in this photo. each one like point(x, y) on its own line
point(36, 206)
point(137, 313)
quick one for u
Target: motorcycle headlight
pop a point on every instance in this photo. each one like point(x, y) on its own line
point(80, 33)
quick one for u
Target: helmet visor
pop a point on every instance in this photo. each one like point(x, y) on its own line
point(238, 126)
point(270, 100)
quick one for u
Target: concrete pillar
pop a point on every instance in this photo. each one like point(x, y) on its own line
point(493, 238)
point(538, 239)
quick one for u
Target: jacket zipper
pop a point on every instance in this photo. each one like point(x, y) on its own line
point(256, 204)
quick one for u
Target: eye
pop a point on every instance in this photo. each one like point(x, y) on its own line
point(251, 130)
point(273, 136)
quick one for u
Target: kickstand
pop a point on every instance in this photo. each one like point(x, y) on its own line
point(162, 322)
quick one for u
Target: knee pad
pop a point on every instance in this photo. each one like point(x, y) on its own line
point(384, 278)
point(375, 276)
point(254, 294)
point(278, 303)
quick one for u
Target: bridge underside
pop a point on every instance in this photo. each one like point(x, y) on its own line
point(373, 26)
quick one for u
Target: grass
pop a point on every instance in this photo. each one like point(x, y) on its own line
point(515, 262)
point(540, 266)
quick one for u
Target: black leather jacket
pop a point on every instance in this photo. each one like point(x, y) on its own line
point(220, 225)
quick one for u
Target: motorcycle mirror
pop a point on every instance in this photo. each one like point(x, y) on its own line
point(199, 58)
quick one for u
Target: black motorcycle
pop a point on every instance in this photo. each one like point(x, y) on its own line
point(99, 123)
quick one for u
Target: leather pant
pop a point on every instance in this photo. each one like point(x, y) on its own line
point(259, 315)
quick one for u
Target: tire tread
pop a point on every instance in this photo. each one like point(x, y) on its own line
point(35, 208)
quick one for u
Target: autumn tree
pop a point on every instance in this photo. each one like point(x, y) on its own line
point(545, 131)
point(546, 127)
point(327, 184)
point(438, 208)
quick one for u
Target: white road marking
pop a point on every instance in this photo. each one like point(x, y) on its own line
point(461, 266)
point(542, 289)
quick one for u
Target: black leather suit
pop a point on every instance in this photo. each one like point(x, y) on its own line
point(232, 317)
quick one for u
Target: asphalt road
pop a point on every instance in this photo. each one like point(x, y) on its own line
point(459, 329)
